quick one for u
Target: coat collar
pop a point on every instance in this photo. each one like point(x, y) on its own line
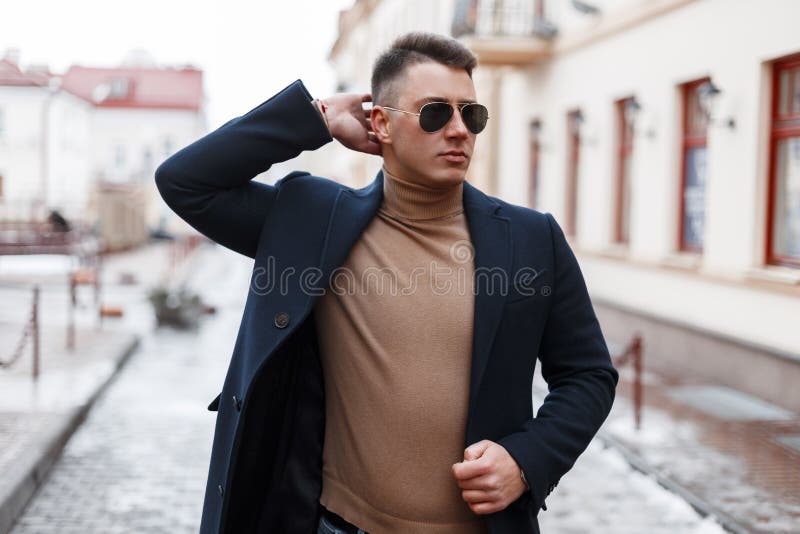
point(490, 234)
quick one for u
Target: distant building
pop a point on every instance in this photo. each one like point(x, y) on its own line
point(87, 142)
point(664, 136)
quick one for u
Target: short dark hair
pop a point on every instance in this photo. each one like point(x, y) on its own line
point(412, 48)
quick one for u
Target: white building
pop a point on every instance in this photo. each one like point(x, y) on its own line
point(664, 136)
point(44, 145)
point(87, 142)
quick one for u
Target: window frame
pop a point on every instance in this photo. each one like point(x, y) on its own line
point(780, 127)
point(534, 158)
point(624, 150)
point(688, 142)
point(572, 168)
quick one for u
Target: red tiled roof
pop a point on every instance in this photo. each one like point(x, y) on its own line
point(11, 75)
point(137, 87)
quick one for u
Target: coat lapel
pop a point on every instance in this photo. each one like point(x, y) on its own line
point(491, 240)
point(352, 211)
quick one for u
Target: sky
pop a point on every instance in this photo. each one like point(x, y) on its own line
point(248, 49)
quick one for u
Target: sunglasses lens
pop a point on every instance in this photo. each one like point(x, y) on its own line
point(475, 117)
point(434, 116)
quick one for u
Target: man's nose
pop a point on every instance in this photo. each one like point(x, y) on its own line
point(456, 127)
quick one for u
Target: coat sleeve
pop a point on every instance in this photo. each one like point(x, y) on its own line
point(580, 376)
point(209, 182)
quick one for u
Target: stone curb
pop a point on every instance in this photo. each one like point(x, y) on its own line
point(20, 485)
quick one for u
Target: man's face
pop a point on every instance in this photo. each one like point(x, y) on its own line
point(417, 155)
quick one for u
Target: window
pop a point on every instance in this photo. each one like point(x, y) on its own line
point(533, 162)
point(693, 170)
point(626, 110)
point(783, 210)
point(574, 121)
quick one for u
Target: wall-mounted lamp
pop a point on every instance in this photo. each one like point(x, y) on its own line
point(535, 128)
point(630, 110)
point(707, 95)
point(577, 120)
point(580, 127)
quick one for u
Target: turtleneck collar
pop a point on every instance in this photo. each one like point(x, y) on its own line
point(419, 202)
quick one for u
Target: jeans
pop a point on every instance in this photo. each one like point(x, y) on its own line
point(328, 526)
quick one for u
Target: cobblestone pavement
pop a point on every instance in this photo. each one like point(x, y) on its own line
point(139, 462)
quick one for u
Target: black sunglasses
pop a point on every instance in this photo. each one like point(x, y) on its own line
point(433, 116)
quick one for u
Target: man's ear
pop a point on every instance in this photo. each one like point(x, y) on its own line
point(379, 119)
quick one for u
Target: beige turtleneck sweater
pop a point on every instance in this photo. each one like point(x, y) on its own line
point(395, 332)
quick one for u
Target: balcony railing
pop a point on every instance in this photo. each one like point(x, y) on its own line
point(504, 31)
point(501, 18)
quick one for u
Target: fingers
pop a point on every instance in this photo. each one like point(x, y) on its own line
point(483, 482)
point(473, 496)
point(470, 469)
point(482, 508)
point(476, 450)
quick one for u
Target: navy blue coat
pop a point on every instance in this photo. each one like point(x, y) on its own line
point(265, 474)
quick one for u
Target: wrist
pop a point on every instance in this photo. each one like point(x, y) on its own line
point(322, 108)
point(524, 481)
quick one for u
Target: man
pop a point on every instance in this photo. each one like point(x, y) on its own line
point(349, 409)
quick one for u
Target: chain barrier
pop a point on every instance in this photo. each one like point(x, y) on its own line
point(30, 332)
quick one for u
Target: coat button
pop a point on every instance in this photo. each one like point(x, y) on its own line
point(237, 402)
point(221, 491)
point(281, 319)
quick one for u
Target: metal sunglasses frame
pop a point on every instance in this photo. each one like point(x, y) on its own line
point(460, 107)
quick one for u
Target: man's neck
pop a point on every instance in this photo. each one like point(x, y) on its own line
point(415, 201)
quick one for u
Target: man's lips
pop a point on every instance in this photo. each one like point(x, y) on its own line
point(456, 156)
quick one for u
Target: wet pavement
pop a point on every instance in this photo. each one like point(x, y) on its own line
point(139, 461)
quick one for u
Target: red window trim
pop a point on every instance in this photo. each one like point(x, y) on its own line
point(622, 150)
point(573, 155)
point(687, 142)
point(534, 150)
point(781, 127)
